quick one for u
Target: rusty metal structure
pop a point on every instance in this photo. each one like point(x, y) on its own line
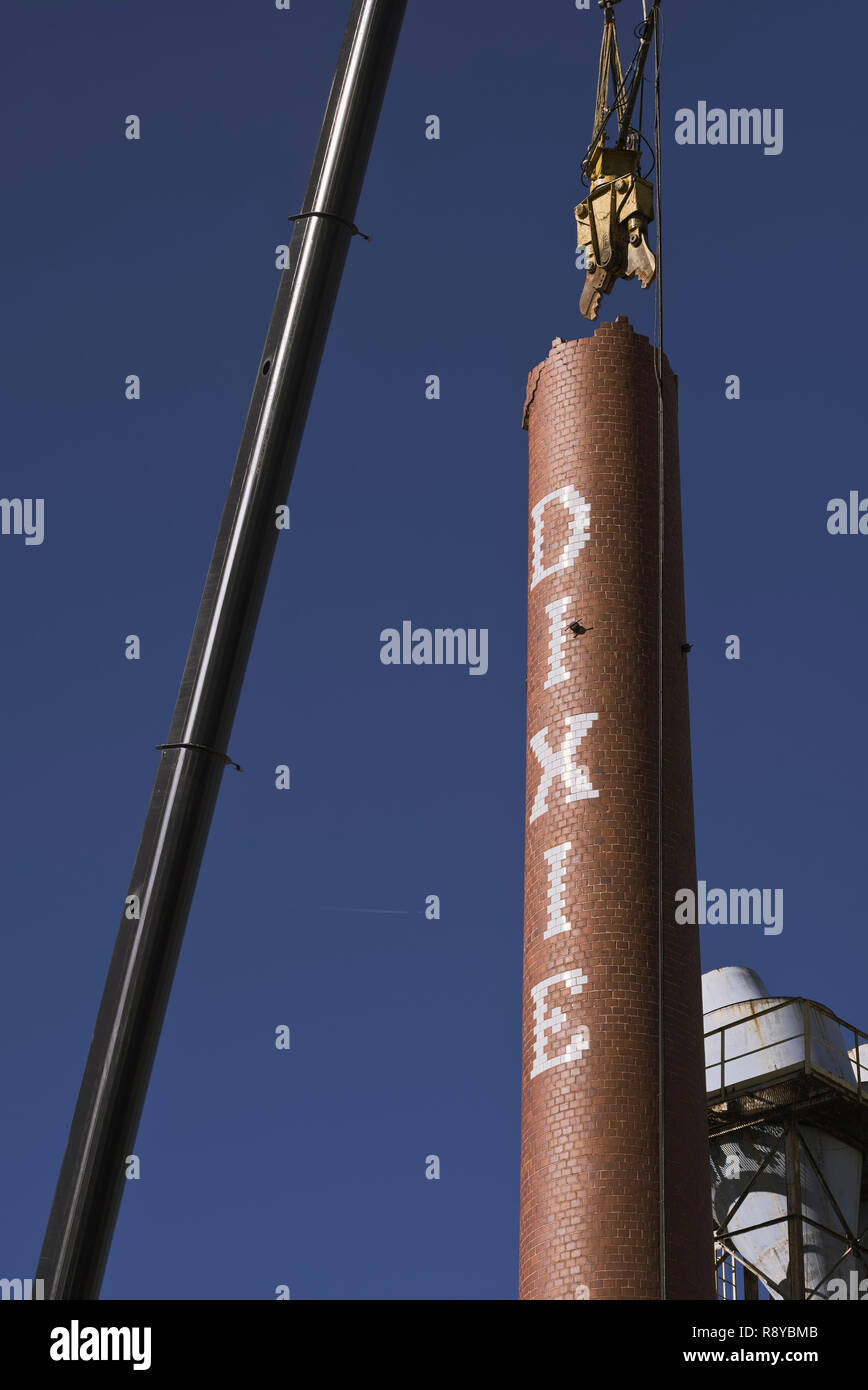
point(787, 1095)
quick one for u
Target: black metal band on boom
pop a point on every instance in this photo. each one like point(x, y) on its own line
point(199, 748)
point(297, 217)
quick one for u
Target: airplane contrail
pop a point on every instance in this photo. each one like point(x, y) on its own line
point(398, 911)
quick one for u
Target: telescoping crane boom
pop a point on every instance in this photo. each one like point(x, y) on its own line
point(613, 220)
point(136, 993)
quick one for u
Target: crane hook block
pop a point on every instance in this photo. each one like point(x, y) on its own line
point(612, 225)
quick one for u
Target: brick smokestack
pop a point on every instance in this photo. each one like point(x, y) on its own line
point(590, 1219)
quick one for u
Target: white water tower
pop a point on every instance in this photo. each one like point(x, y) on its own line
point(787, 1085)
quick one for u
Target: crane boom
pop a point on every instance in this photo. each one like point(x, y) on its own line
point(130, 1017)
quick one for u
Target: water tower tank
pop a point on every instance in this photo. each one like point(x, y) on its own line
point(752, 1036)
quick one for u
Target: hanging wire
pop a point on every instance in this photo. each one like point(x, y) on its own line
point(620, 90)
point(661, 470)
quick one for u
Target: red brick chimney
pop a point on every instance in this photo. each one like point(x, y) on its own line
point(590, 1190)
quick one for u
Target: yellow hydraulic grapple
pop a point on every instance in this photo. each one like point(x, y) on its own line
point(613, 220)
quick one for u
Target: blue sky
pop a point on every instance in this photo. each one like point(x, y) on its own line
point(157, 257)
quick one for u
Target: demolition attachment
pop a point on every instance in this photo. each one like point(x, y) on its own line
point(613, 220)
